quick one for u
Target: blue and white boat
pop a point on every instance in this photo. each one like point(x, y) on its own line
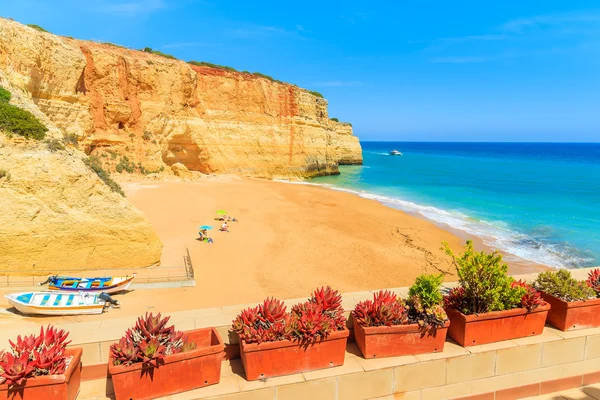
point(55, 303)
point(89, 285)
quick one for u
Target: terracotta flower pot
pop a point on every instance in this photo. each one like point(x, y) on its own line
point(180, 372)
point(397, 340)
point(266, 360)
point(496, 326)
point(50, 387)
point(573, 314)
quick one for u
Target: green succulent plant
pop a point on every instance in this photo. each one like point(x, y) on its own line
point(562, 285)
point(484, 283)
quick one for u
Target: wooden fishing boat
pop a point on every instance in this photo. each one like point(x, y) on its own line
point(89, 285)
point(55, 303)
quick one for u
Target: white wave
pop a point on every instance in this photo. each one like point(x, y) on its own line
point(495, 235)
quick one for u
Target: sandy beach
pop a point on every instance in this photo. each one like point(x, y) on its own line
point(290, 239)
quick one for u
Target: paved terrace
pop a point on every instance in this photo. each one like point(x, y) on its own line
point(517, 368)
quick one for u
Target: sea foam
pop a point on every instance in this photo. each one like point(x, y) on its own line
point(494, 234)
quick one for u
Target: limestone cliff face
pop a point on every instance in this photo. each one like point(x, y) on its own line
point(158, 112)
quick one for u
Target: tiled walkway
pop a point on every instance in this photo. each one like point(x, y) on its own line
point(591, 392)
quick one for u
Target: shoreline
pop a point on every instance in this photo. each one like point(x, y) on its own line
point(519, 265)
point(343, 199)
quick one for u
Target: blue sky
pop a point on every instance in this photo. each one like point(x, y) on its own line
point(452, 71)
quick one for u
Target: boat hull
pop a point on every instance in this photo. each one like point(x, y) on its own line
point(121, 284)
point(78, 305)
point(107, 289)
point(24, 309)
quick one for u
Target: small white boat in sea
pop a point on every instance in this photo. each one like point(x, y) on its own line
point(89, 285)
point(395, 153)
point(56, 303)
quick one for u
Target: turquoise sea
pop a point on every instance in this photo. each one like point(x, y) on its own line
point(538, 201)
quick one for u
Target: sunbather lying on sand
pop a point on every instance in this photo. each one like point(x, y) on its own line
point(224, 227)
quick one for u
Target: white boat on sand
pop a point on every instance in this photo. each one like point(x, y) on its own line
point(56, 303)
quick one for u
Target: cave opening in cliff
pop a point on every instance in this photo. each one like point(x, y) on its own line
point(121, 125)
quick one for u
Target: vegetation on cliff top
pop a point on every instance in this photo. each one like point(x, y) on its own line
point(37, 28)
point(231, 69)
point(158, 53)
point(95, 165)
point(18, 121)
point(337, 120)
point(211, 65)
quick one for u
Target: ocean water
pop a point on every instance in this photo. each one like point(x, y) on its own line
point(538, 201)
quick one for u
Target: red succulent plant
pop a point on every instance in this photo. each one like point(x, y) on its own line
point(456, 299)
point(532, 298)
point(149, 341)
point(35, 355)
point(384, 310)
point(330, 302)
point(16, 369)
point(307, 322)
point(266, 322)
point(593, 280)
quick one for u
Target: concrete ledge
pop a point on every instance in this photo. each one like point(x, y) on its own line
point(505, 370)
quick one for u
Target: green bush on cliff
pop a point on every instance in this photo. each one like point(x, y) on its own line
point(158, 53)
point(55, 145)
point(315, 93)
point(95, 165)
point(334, 119)
point(71, 139)
point(4, 95)
point(37, 28)
point(125, 165)
point(18, 121)
point(4, 174)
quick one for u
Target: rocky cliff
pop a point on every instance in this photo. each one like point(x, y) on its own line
point(141, 112)
point(58, 216)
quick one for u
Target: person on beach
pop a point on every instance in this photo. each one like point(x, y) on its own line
point(225, 227)
point(204, 236)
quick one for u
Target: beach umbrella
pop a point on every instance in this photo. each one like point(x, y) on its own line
point(205, 227)
point(221, 212)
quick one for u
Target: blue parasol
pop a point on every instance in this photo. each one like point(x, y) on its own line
point(205, 228)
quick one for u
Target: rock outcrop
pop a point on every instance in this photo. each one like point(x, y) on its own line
point(158, 112)
point(57, 215)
